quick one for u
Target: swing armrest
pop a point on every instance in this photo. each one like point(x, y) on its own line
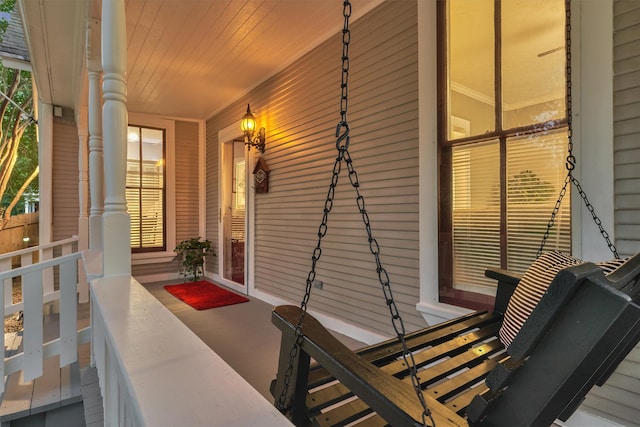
point(392, 399)
point(507, 282)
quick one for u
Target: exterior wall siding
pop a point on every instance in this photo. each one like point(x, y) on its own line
point(626, 98)
point(65, 200)
point(618, 398)
point(212, 206)
point(300, 109)
point(139, 271)
point(187, 175)
point(187, 193)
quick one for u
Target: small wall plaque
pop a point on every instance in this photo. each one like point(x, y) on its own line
point(261, 176)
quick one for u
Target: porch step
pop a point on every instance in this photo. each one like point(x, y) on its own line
point(92, 398)
point(56, 388)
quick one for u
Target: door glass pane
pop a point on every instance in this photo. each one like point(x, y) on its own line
point(470, 50)
point(476, 215)
point(533, 62)
point(235, 192)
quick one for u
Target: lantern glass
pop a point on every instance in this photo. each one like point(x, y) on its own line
point(248, 123)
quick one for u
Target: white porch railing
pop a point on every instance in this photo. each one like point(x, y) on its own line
point(35, 254)
point(35, 277)
point(154, 371)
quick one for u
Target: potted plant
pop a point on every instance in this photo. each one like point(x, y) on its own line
point(191, 254)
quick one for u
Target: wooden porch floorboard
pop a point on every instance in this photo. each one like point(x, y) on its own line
point(57, 388)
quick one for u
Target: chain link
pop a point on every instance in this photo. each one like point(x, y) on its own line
point(385, 283)
point(342, 146)
point(570, 163)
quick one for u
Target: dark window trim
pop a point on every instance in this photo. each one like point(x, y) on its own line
point(162, 248)
point(447, 293)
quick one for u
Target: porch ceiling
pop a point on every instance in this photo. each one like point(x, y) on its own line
point(186, 58)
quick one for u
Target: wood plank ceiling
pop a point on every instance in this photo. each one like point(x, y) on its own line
point(186, 58)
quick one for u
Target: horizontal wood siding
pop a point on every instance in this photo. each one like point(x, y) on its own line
point(65, 200)
point(627, 125)
point(626, 98)
point(211, 154)
point(300, 109)
point(187, 176)
point(618, 398)
point(152, 269)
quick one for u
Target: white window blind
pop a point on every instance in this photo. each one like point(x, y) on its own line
point(146, 187)
point(476, 214)
point(534, 181)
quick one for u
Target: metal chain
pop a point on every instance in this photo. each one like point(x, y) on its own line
point(342, 146)
point(342, 143)
point(383, 277)
point(570, 163)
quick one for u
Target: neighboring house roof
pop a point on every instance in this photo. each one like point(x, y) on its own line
point(13, 47)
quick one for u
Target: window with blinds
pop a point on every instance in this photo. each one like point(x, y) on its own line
point(145, 188)
point(503, 140)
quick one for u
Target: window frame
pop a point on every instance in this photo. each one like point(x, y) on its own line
point(141, 187)
point(447, 294)
point(166, 255)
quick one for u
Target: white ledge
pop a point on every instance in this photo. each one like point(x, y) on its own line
point(437, 312)
point(166, 374)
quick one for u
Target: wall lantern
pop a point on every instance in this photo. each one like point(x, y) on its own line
point(248, 125)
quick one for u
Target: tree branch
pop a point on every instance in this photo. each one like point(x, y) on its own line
point(14, 202)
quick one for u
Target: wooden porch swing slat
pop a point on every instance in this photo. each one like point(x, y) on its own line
point(582, 328)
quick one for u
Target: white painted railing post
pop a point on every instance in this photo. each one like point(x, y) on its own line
point(96, 160)
point(6, 283)
point(116, 243)
point(33, 329)
point(83, 199)
point(5, 265)
point(46, 253)
point(45, 177)
point(31, 274)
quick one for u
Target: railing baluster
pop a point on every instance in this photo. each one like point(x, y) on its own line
point(68, 312)
point(33, 329)
point(6, 284)
point(5, 265)
point(47, 274)
point(36, 274)
point(26, 259)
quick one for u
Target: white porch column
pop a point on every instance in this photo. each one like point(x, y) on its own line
point(83, 196)
point(96, 159)
point(116, 242)
point(45, 177)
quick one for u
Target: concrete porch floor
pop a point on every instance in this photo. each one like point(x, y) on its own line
point(242, 334)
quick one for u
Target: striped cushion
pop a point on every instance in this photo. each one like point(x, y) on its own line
point(533, 285)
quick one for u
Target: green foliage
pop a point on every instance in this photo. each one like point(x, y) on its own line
point(5, 6)
point(191, 255)
point(18, 139)
point(527, 187)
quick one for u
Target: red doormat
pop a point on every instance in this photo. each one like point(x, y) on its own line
point(203, 295)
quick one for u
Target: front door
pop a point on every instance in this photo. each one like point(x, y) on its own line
point(234, 202)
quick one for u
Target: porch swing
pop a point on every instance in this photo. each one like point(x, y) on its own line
point(562, 327)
